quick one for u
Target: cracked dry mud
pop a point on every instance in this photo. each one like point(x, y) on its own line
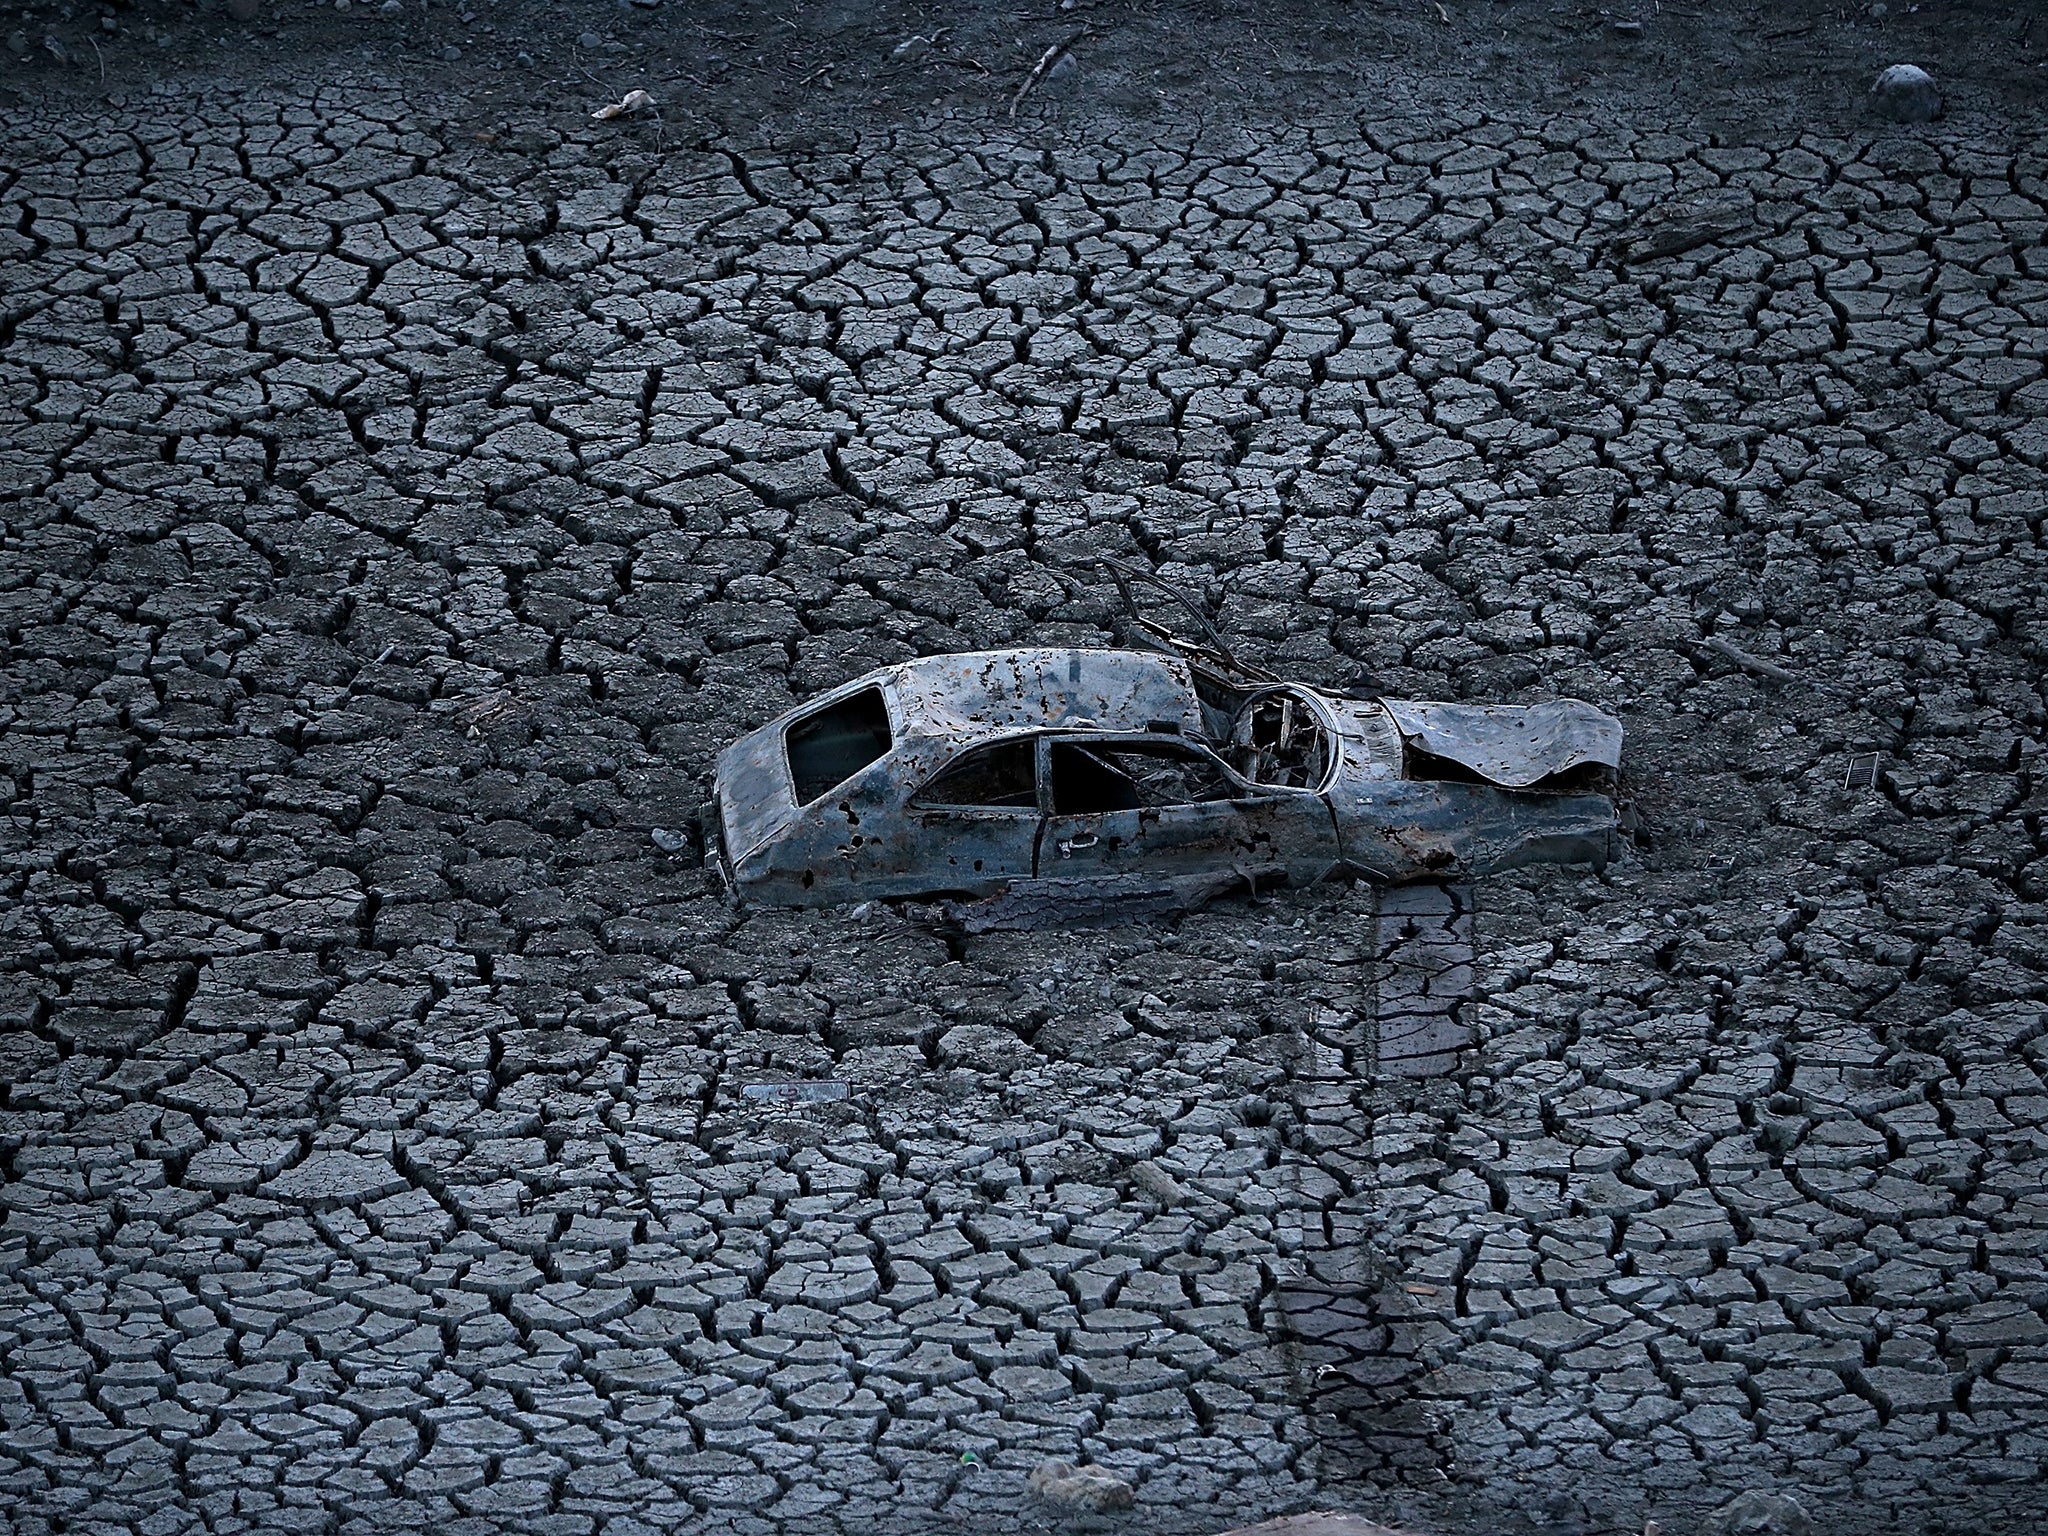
point(397, 524)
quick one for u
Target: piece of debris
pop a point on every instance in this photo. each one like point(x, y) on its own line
point(916, 45)
point(1629, 28)
point(670, 841)
point(1442, 15)
point(1748, 662)
point(632, 101)
point(1756, 1513)
point(1043, 67)
point(795, 1093)
point(1862, 772)
point(1906, 93)
point(1685, 223)
point(1077, 785)
point(1072, 1487)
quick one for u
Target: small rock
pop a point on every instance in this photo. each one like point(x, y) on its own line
point(1906, 93)
point(1159, 1184)
point(1090, 1488)
point(1757, 1513)
point(589, 40)
point(451, 53)
point(17, 44)
point(669, 841)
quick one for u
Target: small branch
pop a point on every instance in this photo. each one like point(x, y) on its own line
point(1749, 662)
point(1043, 67)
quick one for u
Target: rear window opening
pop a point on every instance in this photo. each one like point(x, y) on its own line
point(830, 747)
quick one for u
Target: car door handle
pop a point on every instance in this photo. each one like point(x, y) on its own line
point(1085, 840)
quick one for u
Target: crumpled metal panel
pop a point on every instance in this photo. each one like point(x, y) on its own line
point(1512, 745)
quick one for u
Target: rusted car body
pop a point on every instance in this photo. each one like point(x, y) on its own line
point(971, 775)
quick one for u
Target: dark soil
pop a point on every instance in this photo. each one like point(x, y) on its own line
point(721, 65)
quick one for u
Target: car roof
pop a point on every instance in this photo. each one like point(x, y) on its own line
point(984, 695)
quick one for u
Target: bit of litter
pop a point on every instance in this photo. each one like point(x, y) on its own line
point(1629, 28)
point(1420, 1290)
point(969, 1459)
point(670, 841)
point(386, 654)
point(632, 101)
point(1862, 772)
point(825, 73)
point(1748, 662)
point(1442, 15)
point(795, 1093)
point(1043, 67)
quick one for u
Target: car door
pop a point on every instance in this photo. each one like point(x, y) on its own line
point(1159, 806)
point(974, 827)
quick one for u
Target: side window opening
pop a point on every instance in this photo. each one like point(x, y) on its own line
point(1004, 775)
point(1094, 780)
point(830, 747)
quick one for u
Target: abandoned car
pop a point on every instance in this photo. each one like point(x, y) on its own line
point(974, 775)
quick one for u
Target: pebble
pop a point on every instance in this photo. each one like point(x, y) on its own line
point(1072, 1487)
point(589, 40)
point(1756, 1513)
point(1906, 93)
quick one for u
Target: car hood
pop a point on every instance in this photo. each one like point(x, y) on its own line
point(1512, 745)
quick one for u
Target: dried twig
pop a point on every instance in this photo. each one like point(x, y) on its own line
point(1043, 67)
point(1749, 662)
